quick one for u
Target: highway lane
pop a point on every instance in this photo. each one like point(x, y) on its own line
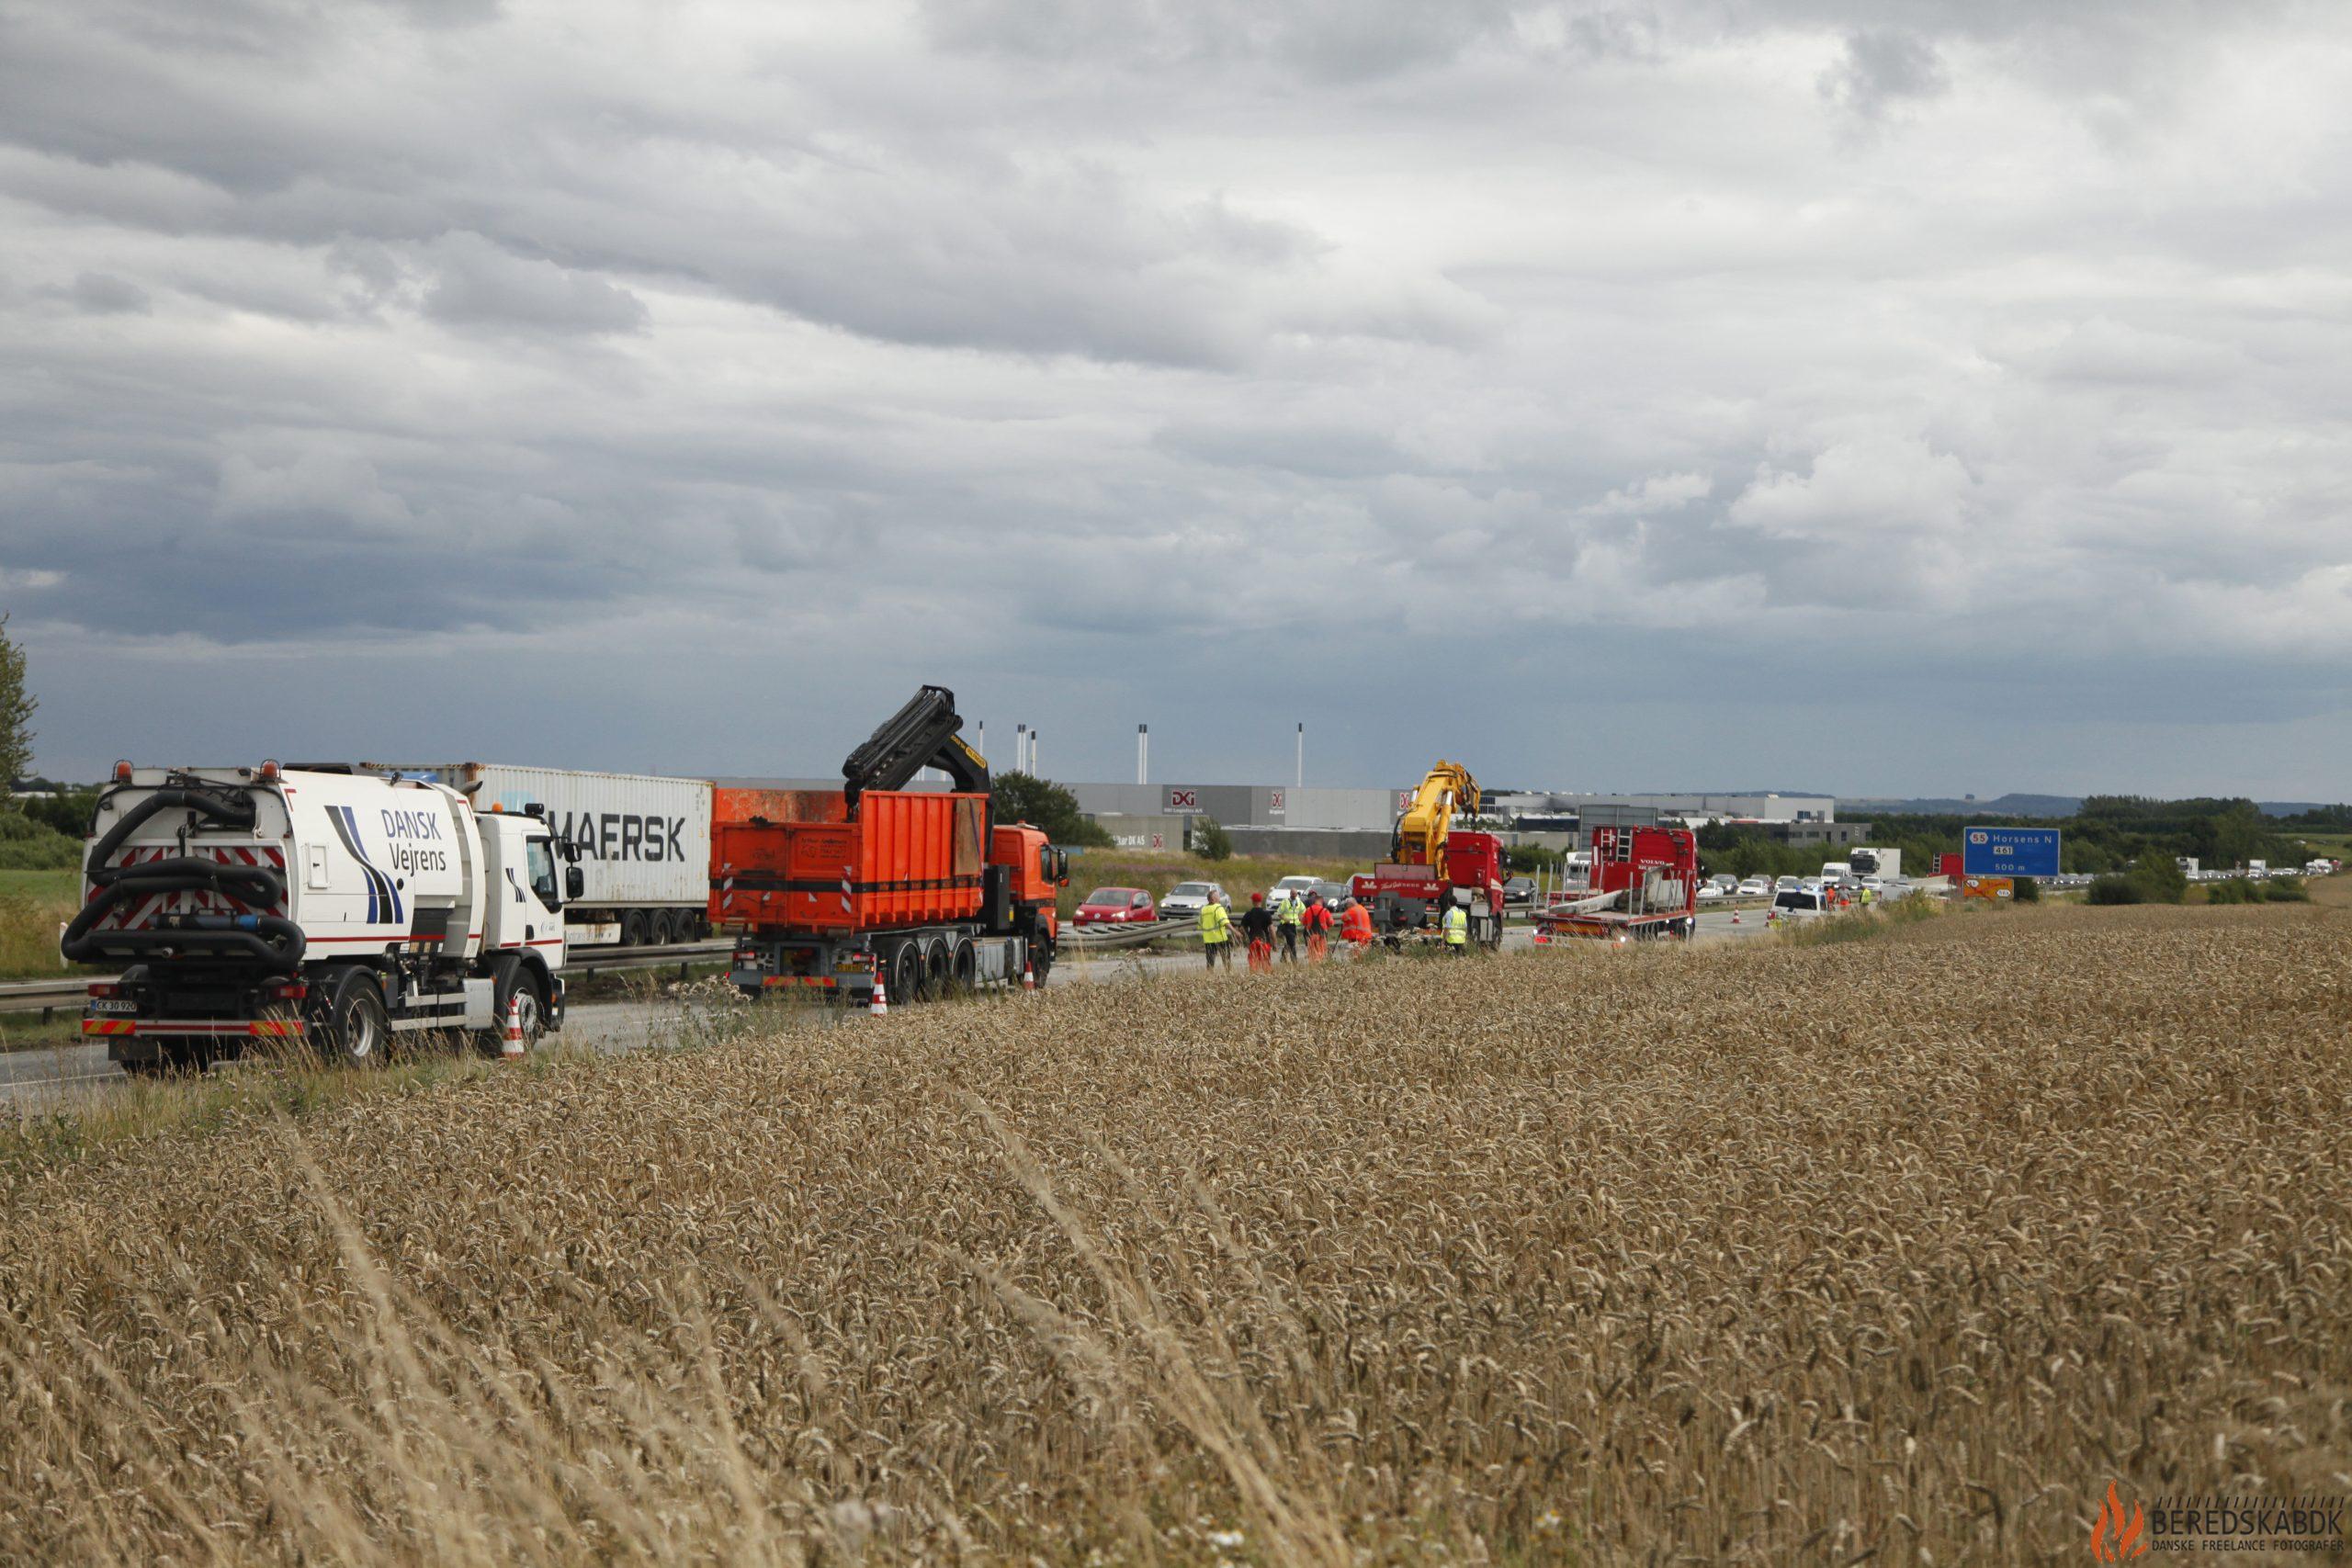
point(32, 1079)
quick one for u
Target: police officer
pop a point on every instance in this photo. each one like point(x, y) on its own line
point(1217, 933)
point(1457, 930)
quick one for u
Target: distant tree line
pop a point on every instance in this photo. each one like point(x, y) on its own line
point(2111, 833)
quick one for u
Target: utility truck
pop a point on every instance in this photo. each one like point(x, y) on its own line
point(319, 907)
point(1432, 865)
point(644, 842)
point(1644, 887)
point(921, 892)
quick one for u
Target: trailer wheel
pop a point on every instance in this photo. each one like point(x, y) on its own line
point(937, 967)
point(964, 967)
point(661, 928)
point(905, 969)
point(632, 928)
point(353, 1029)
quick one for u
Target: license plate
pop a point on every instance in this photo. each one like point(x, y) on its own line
point(114, 1007)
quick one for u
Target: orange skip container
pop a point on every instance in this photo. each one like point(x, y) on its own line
point(910, 859)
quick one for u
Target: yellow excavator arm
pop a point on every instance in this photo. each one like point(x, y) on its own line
point(1422, 827)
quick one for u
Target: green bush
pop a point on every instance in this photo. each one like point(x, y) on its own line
point(2236, 890)
point(2025, 890)
point(2112, 889)
point(1211, 842)
point(69, 812)
point(2286, 890)
point(1041, 802)
point(2160, 877)
point(27, 845)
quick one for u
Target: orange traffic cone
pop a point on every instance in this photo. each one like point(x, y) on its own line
point(1735, 916)
point(880, 1006)
point(1541, 937)
point(510, 1048)
point(1028, 974)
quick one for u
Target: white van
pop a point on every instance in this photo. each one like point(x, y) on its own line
point(1799, 903)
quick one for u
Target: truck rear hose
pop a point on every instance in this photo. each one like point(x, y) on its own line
point(236, 810)
point(117, 885)
point(270, 939)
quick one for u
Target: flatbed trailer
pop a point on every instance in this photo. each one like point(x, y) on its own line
point(1645, 888)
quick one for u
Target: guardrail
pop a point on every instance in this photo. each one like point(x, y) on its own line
point(1107, 938)
point(45, 997)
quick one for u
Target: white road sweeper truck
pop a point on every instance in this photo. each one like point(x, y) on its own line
point(323, 905)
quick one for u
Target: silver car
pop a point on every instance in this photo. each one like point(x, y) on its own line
point(1186, 899)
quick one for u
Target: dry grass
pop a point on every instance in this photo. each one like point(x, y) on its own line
point(1760, 1253)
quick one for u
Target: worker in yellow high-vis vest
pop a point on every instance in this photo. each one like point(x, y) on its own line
point(1457, 929)
point(1217, 933)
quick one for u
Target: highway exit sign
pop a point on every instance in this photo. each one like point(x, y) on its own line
point(2009, 851)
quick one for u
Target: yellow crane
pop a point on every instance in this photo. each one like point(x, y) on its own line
point(1422, 827)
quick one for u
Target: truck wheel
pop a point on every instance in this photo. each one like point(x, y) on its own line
point(906, 968)
point(1041, 960)
point(937, 967)
point(964, 967)
point(661, 929)
point(529, 1003)
point(632, 928)
point(353, 1031)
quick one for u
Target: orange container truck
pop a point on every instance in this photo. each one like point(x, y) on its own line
point(829, 892)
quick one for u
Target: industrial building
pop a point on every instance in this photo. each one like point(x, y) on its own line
point(1769, 807)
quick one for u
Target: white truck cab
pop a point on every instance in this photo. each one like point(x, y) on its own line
point(329, 906)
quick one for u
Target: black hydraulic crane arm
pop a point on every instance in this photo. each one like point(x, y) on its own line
point(923, 734)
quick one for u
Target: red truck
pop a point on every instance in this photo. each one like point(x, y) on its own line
point(923, 889)
point(1645, 887)
point(1432, 864)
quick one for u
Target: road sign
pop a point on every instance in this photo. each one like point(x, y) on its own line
point(1177, 799)
point(1988, 887)
point(2009, 851)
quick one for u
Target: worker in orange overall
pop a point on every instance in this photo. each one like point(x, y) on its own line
point(1356, 924)
point(1258, 925)
point(1318, 922)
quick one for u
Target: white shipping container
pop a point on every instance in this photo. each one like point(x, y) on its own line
point(644, 841)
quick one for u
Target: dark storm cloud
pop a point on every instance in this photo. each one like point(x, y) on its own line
point(1778, 360)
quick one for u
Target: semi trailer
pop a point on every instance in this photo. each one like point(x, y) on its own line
point(921, 892)
point(324, 907)
point(644, 842)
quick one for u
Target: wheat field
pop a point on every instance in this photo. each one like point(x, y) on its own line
point(1898, 1250)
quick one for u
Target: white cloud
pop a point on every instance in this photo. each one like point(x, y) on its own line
point(1022, 343)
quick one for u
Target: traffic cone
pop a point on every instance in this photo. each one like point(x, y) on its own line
point(1735, 916)
point(1028, 974)
point(1541, 938)
point(880, 1006)
point(510, 1048)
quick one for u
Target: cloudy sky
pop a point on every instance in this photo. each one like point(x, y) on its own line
point(1883, 396)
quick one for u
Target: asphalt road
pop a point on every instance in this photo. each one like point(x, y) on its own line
point(30, 1079)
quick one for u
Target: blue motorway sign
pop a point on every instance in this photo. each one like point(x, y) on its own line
point(2008, 851)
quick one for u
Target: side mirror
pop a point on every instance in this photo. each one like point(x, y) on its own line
point(575, 884)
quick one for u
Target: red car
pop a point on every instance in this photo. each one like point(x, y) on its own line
point(1116, 907)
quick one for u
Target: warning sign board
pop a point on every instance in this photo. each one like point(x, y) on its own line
point(1988, 887)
